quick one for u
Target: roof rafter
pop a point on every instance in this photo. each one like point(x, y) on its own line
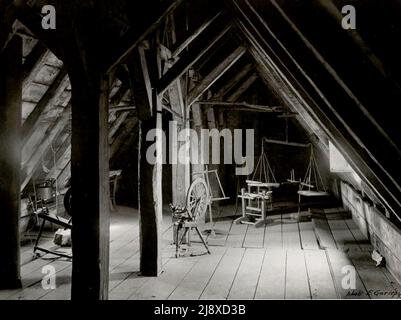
point(176, 51)
point(232, 82)
point(215, 74)
point(191, 56)
point(304, 93)
point(8, 14)
point(34, 161)
point(249, 81)
point(26, 15)
point(56, 88)
point(126, 46)
point(141, 83)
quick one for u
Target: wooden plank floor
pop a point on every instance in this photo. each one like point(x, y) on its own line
point(283, 260)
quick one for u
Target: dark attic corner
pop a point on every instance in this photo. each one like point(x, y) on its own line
point(200, 149)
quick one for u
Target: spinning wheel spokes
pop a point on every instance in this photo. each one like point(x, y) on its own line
point(197, 198)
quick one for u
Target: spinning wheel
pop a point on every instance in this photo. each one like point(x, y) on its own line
point(218, 195)
point(197, 198)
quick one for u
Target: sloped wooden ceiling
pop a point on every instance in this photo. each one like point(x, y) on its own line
point(344, 84)
point(333, 78)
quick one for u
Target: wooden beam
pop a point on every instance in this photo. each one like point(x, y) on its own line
point(214, 184)
point(243, 88)
point(331, 8)
point(125, 146)
point(308, 83)
point(180, 181)
point(304, 120)
point(196, 124)
point(180, 184)
point(127, 46)
point(212, 35)
point(38, 51)
point(150, 199)
point(30, 166)
point(374, 149)
point(37, 67)
point(231, 83)
point(242, 104)
point(140, 83)
point(177, 101)
point(32, 20)
point(116, 99)
point(123, 133)
point(61, 171)
point(53, 155)
point(122, 108)
point(176, 51)
point(10, 159)
point(215, 74)
point(89, 167)
point(63, 160)
point(104, 187)
point(116, 125)
point(58, 86)
point(64, 177)
point(7, 12)
point(120, 94)
point(90, 190)
point(43, 127)
point(287, 143)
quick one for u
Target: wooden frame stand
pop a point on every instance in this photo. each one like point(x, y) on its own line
point(251, 213)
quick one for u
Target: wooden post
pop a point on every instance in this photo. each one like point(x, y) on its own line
point(197, 115)
point(10, 160)
point(180, 184)
point(90, 185)
point(150, 201)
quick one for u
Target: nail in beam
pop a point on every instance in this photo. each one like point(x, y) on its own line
point(10, 159)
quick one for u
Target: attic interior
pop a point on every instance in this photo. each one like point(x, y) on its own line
point(323, 193)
